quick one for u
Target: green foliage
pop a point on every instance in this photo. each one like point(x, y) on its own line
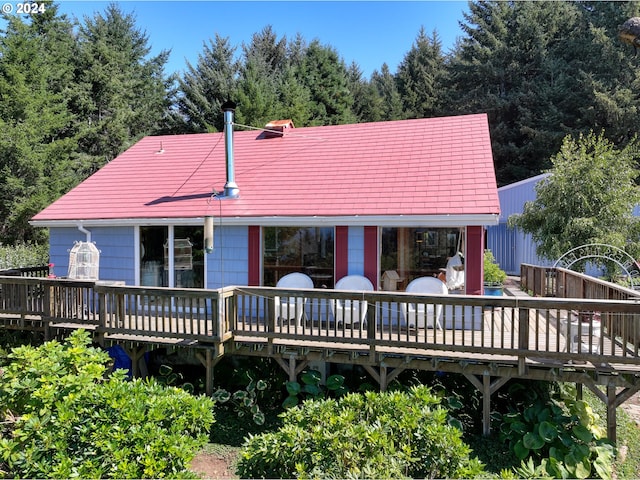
point(63, 417)
point(371, 435)
point(204, 87)
point(493, 274)
point(246, 401)
point(422, 76)
point(311, 388)
point(559, 432)
point(167, 376)
point(23, 255)
point(588, 198)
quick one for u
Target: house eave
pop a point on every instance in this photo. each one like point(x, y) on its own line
point(486, 219)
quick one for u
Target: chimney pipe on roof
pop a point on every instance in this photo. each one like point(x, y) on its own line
point(231, 189)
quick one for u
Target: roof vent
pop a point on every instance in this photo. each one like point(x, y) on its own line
point(278, 128)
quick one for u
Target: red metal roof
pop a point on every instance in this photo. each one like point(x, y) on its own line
point(436, 166)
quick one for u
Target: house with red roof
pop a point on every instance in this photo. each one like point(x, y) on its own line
point(387, 200)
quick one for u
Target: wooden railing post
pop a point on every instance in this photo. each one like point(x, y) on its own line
point(523, 338)
point(102, 315)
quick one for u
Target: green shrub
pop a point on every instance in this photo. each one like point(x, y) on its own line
point(493, 274)
point(371, 435)
point(23, 255)
point(310, 387)
point(245, 401)
point(559, 432)
point(63, 417)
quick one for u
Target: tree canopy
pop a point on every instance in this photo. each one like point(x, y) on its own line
point(588, 197)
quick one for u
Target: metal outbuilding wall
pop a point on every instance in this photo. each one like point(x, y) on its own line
point(511, 247)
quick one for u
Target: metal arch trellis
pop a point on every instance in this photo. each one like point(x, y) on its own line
point(604, 252)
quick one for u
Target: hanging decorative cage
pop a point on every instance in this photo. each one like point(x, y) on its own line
point(182, 254)
point(84, 261)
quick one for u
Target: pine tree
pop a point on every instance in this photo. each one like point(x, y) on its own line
point(205, 87)
point(121, 94)
point(325, 75)
point(422, 76)
point(386, 85)
point(367, 103)
point(37, 140)
point(260, 78)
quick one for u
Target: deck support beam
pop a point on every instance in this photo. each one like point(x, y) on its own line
point(209, 360)
point(138, 364)
point(290, 367)
point(383, 376)
point(487, 388)
point(612, 400)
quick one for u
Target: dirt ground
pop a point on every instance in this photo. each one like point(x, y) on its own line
point(215, 465)
point(221, 466)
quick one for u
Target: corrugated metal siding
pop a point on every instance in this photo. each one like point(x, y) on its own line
point(511, 247)
point(513, 197)
point(500, 240)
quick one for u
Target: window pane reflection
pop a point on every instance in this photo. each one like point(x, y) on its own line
point(298, 249)
point(417, 252)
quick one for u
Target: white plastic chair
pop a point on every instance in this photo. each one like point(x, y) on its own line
point(351, 311)
point(421, 314)
point(289, 308)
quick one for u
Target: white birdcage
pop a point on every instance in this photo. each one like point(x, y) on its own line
point(182, 254)
point(84, 261)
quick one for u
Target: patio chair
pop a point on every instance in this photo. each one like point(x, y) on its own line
point(420, 315)
point(351, 311)
point(289, 308)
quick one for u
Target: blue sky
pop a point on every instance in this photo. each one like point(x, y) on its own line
point(366, 32)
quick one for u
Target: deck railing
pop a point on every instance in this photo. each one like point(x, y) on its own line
point(464, 327)
point(563, 283)
point(39, 271)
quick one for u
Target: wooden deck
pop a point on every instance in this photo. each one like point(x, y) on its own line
point(489, 340)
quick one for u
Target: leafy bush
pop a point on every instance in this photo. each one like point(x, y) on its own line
point(560, 433)
point(312, 388)
point(493, 274)
point(63, 417)
point(371, 435)
point(245, 401)
point(23, 255)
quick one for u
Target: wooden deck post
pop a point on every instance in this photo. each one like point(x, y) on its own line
point(209, 361)
point(523, 339)
point(611, 414)
point(488, 389)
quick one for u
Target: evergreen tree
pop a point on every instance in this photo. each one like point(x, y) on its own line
point(121, 94)
point(386, 85)
point(609, 74)
point(325, 75)
point(260, 77)
point(367, 103)
point(541, 71)
point(512, 65)
point(422, 77)
point(37, 139)
point(257, 96)
point(294, 99)
point(205, 87)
